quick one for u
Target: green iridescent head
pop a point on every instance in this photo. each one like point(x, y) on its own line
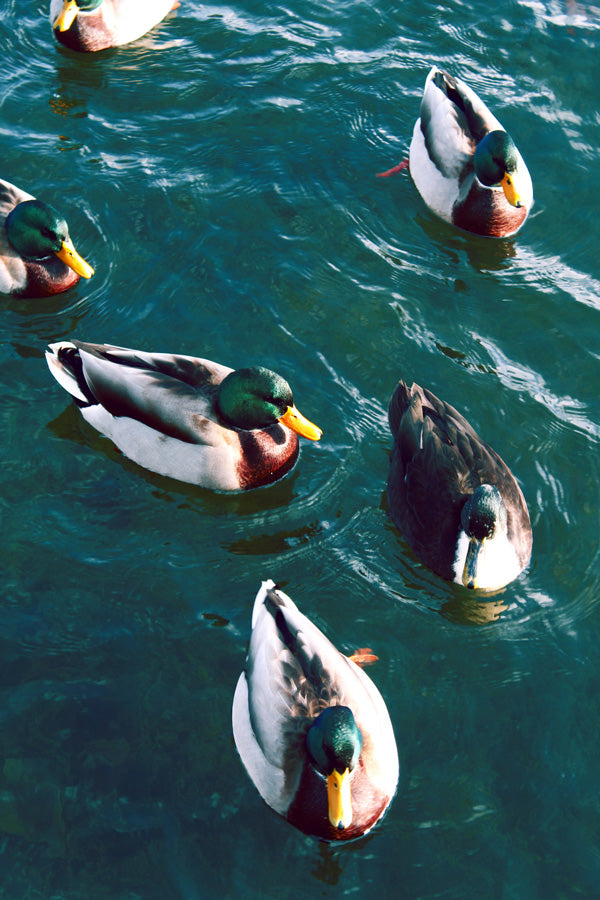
point(334, 744)
point(256, 397)
point(36, 231)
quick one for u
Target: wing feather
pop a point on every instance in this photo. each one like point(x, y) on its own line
point(168, 392)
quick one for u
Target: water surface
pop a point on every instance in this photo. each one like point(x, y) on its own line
point(220, 175)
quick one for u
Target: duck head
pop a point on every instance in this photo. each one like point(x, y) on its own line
point(35, 230)
point(484, 521)
point(334, 743)
point(69, 11)
point(497, 164)
point(256, 397)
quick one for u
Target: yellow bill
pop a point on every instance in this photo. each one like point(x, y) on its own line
point(510, 188)
point(66, 16)
point(69, 255)
point(339, 799)
point(296, 421)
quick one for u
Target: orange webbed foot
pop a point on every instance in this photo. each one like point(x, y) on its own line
point(394, 169)
point(364, 656)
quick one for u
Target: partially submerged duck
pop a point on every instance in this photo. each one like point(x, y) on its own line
point(90, 25)
point(464, 163)
point(187, 418)
point(37, 256)
point(456, 503)
point(313, 731)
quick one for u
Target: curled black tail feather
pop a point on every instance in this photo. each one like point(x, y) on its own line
point(70, 358)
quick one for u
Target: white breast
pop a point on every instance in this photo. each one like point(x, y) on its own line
point(498, 563)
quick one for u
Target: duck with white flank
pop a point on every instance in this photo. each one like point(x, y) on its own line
point(464, 164)
point(311, 728)
point(187, 418)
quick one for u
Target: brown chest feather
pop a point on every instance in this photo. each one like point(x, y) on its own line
point(266, 455)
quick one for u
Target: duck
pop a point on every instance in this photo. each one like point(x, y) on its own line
point(90, 25)
point(464, 164)
point(453, 499)
point(184, 417)
point(37, 256)
point(311, 728)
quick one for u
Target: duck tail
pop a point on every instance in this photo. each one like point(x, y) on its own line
point(399, 403)
point(260, 598)
point(64, 363)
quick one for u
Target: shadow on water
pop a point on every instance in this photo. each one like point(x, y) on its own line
point(283, 494)
point(483, 254)
point(220, 176)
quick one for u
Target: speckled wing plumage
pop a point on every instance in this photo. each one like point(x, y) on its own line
point(292, 673)
point(437, 461)
point(10, 196)
point(290, 677)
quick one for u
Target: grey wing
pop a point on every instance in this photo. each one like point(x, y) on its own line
point(445, 127)
point(479, 117)
point(171, 393)
point(281, 674)
point(293, 672)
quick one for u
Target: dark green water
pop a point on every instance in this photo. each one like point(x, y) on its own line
point(220, 176)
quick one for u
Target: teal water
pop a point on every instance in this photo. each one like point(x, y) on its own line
point(220, 175)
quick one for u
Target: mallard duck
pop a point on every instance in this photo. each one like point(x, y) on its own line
point(456, 503)
point(37, 256)
point(187, 418)
point(310, 726)
point(97, 24)
point(464, 164)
